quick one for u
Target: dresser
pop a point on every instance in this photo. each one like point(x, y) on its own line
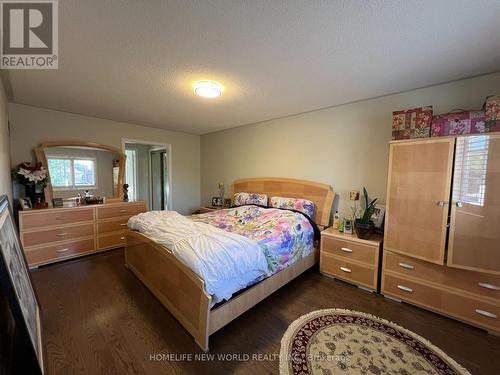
point(442, 234)
point(349, 258)
point(54, 234)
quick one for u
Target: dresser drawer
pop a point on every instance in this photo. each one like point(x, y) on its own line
point(456, 305)
point(470, 281)
point(111, 240)
point(50, 253)
point(46, 236)
point(345, 270)
point(350, 250)
point(112, 225)
point(40, 218)
point(125, 210)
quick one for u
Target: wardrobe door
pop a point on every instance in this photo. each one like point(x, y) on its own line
point(475, 214)
point(418, 194)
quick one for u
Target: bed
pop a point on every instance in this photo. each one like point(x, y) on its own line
point(184, 293)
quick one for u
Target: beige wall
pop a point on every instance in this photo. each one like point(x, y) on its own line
point(31, 126)
point(345, 146)
point(5, 182)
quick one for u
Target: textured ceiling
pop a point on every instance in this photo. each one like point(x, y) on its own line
point(135, 61)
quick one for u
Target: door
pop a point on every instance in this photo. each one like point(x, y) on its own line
point(158, 180)
point(475, 213)
point(418, 194)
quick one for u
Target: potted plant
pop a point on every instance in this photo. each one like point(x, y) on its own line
point(34, 177)
point(364, 225)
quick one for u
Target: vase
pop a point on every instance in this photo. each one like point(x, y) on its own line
point(30, 193)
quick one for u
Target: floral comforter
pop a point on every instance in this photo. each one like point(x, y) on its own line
point(284, 236)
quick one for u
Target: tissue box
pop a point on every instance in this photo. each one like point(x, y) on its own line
point(412, 123)
point(492, 112)
point(463, 122)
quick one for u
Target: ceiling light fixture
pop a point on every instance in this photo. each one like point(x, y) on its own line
point(208, 89)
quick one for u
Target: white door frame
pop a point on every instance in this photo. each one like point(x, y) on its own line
point(168, 148)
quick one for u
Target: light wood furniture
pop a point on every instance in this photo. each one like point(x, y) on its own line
point(42, 158)
point(430, 181)
point(54, 234)
point(183, 293)
point(349, 258)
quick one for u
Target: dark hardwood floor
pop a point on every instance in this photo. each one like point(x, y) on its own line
point(98, 318)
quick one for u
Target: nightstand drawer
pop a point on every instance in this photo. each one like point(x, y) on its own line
point(349, 271)
point(350, 250)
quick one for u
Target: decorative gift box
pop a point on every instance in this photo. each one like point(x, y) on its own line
point(412, 123)
point(462, 122)
point(492, 112)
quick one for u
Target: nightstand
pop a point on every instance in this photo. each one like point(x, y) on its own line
point(349, 258)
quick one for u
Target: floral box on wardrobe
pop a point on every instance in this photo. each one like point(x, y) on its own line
point(492, 111)
point(412, 123)
point(462, 122)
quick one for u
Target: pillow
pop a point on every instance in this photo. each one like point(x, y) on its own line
point(303, 205)
point(241, 199)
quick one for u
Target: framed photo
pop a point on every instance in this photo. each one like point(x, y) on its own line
point(25, 203)
point(378, 215)
point(15, 280)
point(216, 202)
point(227, 202)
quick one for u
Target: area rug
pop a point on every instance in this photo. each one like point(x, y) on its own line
point(336, 341)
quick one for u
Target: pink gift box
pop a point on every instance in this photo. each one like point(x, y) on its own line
point(463, 122)
point(412, 123)
point(492, 111)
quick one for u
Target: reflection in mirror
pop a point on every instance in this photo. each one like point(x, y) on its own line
point(76, 169)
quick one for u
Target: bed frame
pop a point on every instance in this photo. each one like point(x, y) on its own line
point(182, 292)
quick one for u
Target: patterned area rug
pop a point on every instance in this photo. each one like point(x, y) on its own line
point(336, 341)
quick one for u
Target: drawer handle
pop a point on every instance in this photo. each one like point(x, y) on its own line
point(123, 210)
point(441, 203)
point(345, 269)
point(488, 286)
point(62, 250)
point(62, 234)
point(407, 266)
point(346, 249)
point(123, 224)
point(405, 288)
point(486, 313)
point(122, 238)
point(60, 218)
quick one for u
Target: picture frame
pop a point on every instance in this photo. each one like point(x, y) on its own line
point(378, 215)
point(20, 294)
point(227, 202)
point(25, 203)
point(216, 202)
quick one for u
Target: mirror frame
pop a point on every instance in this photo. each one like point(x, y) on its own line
point(42, 158)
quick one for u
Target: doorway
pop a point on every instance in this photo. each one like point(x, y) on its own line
point(147, 172)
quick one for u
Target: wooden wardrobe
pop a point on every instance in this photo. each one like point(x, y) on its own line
point(442, 231)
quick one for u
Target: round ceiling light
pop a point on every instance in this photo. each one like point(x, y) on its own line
point(208, 89)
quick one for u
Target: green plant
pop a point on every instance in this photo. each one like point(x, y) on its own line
point(369, 208)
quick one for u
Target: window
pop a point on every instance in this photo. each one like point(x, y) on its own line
point(131, 173)
point(68, 173)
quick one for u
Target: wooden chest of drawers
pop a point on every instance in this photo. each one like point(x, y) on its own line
point(473, 297)
point(53, 234)
point(349, 258)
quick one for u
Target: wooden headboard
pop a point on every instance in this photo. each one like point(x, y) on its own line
point(321, 194)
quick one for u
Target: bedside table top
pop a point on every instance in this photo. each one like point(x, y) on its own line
point(334, 233)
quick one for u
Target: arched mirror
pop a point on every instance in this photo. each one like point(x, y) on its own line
point(77, 167)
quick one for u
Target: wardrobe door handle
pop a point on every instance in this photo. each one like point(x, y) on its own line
point(62, 250)
point(405, 288)
point(486, 313)
point(441, 203)
point(488, 286)
point(346, 249)
point(407, 266)
point(345, 269)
